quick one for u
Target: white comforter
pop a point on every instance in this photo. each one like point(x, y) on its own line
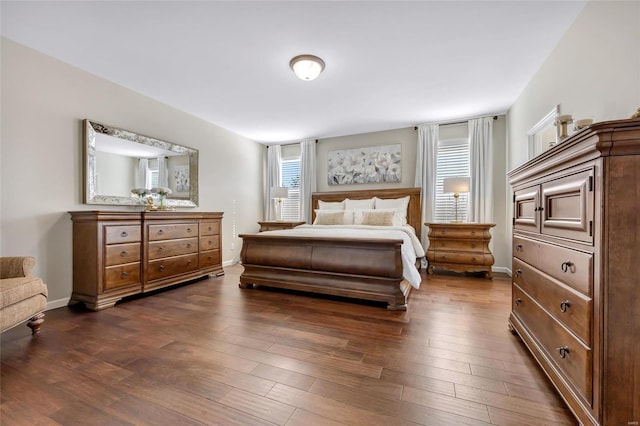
point(411, 248)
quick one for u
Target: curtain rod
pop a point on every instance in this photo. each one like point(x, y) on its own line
point(451, 123)
point(287, 144)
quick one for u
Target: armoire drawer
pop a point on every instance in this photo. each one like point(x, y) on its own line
point(568, 306)
point(170, 266)
point(171, 231)
point(167, 248)
point(567, 352)
point(572, 267)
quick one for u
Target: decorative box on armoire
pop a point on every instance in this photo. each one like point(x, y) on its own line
point(576, 272)
point(122, 253)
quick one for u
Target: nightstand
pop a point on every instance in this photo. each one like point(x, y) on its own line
point(460, 247)
point(277, 225)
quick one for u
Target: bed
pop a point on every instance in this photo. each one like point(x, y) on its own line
point(350, 262)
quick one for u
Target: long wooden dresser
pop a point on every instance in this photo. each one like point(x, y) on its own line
point(121, 253)
point(576, 275)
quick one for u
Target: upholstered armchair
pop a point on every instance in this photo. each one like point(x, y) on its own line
point(23, 297)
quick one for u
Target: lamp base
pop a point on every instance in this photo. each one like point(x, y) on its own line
point(456, 221)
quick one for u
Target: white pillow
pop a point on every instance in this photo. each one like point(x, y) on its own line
point(359, 204)
point(401, 204)
point(333, 217)
point(359, 216)
point(324, 205)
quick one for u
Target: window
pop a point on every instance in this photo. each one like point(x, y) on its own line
point(290, 178)
point(453, 160)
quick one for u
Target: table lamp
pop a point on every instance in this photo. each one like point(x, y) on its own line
point(456, 184)
point(278, 193)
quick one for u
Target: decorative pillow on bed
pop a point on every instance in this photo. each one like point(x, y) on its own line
point(359, 216)
point(378, 218)
point(401, 204)
point(359, 204)
point(333, 217)
point(325, 205)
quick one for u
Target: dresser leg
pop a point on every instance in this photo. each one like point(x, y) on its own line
point(488, 275)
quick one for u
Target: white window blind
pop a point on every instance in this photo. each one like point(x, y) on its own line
point(290, 177)
point(453, 160)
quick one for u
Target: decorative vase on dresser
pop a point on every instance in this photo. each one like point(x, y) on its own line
point(122, 253)
point(576, 276)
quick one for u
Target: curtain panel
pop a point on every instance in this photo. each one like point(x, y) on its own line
point(427, 155)
point(307, 177)
point(481, 164)
point(272, 180)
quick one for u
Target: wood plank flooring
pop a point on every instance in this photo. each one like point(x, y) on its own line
point(211, 353)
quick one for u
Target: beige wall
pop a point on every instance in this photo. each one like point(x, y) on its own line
point(408, 138)
point(594, 71)
point(43, 104)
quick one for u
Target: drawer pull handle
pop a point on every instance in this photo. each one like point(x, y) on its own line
point(188, 245)
point(563, 351)
point(564, 305)
point(518, 273)
point(124, 234)
point(473, 245)
point(538, 209)
point(210, 257)
point(160, 248)
point(123, 253)
point(473, 232)
point(189, 263)
point(210, 228)
point(188, 229)
point(161, 267)
point(519, 248)
point(123, 274)
point(160, 232)
point(518, 301)
point(567, 266)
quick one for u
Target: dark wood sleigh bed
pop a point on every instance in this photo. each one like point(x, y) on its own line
point(369, 269)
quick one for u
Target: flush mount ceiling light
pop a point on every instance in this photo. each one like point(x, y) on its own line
point(307, 67)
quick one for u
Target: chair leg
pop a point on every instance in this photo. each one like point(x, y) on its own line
point(35, 322)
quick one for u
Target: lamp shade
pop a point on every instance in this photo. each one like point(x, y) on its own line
point(456, 184)
point(279, 192)
point(307, 67)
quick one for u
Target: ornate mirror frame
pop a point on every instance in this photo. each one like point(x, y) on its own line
point(91, 196)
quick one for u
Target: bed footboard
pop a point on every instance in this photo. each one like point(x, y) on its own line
point(369, 269)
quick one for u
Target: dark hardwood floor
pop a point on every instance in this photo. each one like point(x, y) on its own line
point(211, 353)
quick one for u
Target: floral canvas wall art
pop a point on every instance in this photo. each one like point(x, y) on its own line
point(181, 176)
point(364, 165)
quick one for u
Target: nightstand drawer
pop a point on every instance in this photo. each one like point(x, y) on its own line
point(457, 245)
point(460, 258)
point(160, 249)
point(471, 233)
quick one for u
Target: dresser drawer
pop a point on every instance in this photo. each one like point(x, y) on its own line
point(209, 258)
point(117, 234)
point(460, 258)
point(572, 267)
point(168, 267)
point(122, 253)
point(570, 355)
point(121, 275)
point(209, 243)
point(160, 249)
point(568, 306)
point(457, 245)
point(209, 228)
point(172, 231)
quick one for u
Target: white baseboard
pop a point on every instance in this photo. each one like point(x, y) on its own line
point(55, 304)
point(501, 269)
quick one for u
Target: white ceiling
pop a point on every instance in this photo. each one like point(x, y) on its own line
point(388, 64)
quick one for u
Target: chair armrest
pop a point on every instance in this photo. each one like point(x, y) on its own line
point(14, 267)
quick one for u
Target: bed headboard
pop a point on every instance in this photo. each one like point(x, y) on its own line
point(414, 212)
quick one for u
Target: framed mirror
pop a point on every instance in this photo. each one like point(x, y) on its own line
point(118, 162)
